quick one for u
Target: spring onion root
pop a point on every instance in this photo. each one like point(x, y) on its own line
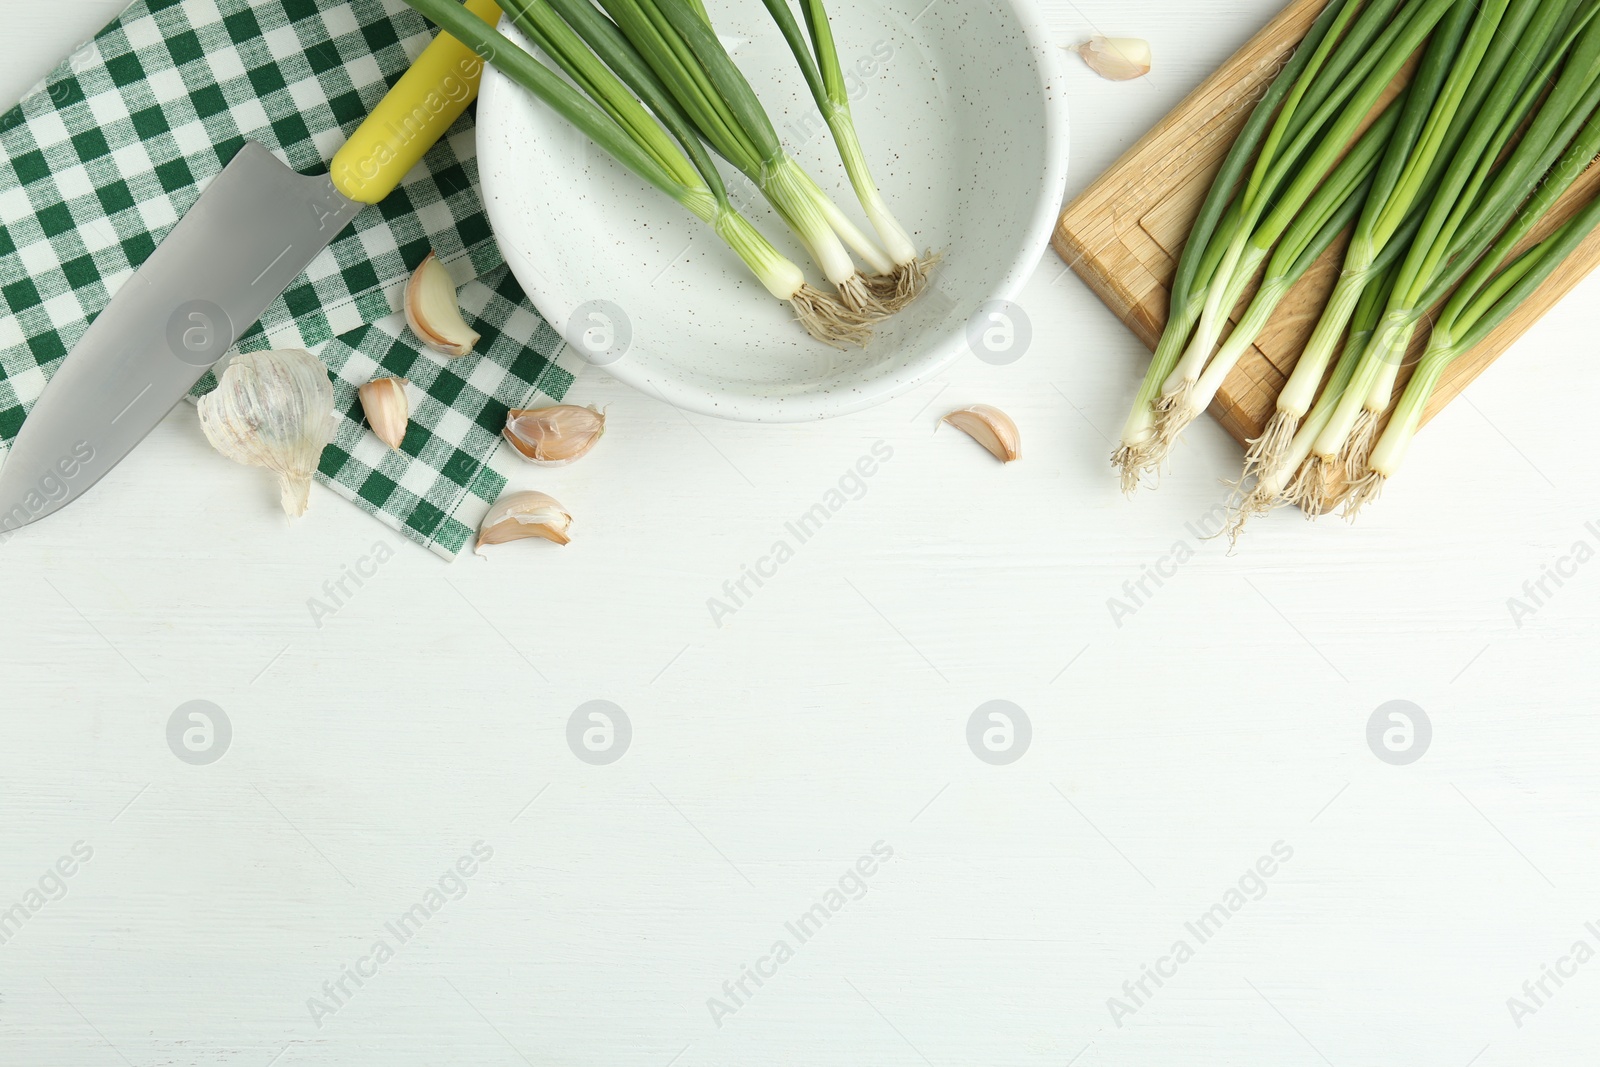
point(1333, 208)
point(615, 119)
point(676, 43)
point(1212, 233)
point(1441, 191)
point(1299, 168)
point(899, 280)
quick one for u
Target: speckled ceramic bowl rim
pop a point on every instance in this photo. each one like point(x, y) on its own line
point(852, 397)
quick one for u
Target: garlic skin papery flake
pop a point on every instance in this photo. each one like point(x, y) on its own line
point(387, 409)
point(556, 436)
point(273, 410)
point(1117, 59)
point(433, 311)
point(522, 515)
point(991, 428)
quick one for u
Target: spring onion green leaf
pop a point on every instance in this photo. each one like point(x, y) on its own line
point(616, 121)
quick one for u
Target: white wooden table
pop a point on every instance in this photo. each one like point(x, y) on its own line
point(620, 904)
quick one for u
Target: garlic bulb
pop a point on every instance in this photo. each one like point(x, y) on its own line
point(1119, 59)
point(523, 515)
point(554, 437)
point(273, 410)
point(433, 311)
point(387, 409)
point(991, 428)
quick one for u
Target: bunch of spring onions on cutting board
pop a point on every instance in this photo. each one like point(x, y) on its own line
point(1448, 192)
point(650, 82)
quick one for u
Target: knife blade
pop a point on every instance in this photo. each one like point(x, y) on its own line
point(257, 226)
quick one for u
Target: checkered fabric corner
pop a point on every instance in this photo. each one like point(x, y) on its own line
point(440, 484)
point(99, 162)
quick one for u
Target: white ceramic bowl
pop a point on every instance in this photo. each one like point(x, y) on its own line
point(958, 106)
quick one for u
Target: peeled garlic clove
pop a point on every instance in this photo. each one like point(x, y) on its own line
point(522, 515)
point(1119, 59)
point(388, 410)
point(273, 410)
point(991, 428)
point(556, 436)
point(433, 311)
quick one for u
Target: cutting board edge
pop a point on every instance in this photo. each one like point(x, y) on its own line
point(1116, 262)
point(1072, 234)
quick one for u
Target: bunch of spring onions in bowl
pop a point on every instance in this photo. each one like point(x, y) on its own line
point(650, 82)
point(1454, 197)
point(675, 185)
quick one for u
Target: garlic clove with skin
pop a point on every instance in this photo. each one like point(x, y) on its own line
point(387, 409)
point(1117, 59)
point(273, 410)
point(524, 515)
point(991, 428)
point(555, 436)
point(433, 311)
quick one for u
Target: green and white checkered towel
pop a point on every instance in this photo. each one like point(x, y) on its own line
point(101, 160)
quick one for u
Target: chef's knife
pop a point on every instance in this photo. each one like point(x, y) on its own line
point(256, 227)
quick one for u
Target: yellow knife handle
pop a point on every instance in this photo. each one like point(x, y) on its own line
point(411, 119)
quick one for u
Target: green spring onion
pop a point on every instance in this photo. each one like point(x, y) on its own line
point(1207, 242)
point(1301, 168)
point(1330, 212)
point(614, 119)
point(1409, 174)
point(1462, 208)
point(1444, 188)
point(1495, 289)
point(1293, 481)
point(678, 44)
point(825, 78)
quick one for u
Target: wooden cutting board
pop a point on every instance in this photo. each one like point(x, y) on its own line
point(1124, 234)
